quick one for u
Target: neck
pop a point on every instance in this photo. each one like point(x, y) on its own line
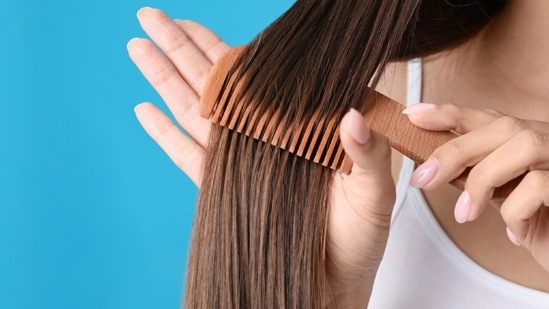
point(505, 64)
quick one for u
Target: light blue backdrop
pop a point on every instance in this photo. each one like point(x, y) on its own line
point(92, 213)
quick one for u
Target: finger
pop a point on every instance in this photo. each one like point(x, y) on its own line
point(208, 42)
point(179, 97)
point(450, 117)
point(450, 160)
point(519, 208)
point(189, 60)
point(371, 156)
point(183, 151)
point(527, 151)
point(366, 148)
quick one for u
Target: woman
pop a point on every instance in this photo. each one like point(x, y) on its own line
point(503, 68)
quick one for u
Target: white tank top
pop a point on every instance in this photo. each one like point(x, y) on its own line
point(423, 268)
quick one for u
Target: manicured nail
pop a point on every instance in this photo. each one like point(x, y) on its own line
point(424, 173)
point(132, 40)
point(513, 238)
point(357, 128)
point(418, 108)
point(463, 208)
point(143, 9)
point(138, 106)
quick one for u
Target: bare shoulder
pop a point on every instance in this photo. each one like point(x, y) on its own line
point(393, 85)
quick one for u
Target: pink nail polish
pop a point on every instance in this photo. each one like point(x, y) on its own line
point(424, 173)
point(463, 208)
point(513, 238)
point(357, 128)
point(418, 108)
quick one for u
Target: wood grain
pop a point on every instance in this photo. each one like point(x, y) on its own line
point(382, 114)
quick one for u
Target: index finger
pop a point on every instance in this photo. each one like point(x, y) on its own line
point(208, 42)
point(189, 60)
point(182, 101)
point(446, 117)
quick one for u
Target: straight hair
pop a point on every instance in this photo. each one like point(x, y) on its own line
point(259, 236)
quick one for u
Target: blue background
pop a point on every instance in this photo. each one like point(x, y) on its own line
point(92, 213)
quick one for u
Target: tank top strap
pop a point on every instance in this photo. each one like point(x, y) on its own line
point(414, 81)
point(413, 95)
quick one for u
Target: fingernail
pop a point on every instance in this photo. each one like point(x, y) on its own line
point(135, 108)
point(424, 173)
point(143, 9)
point(357, 128)
point(132, 40)
point(418, 108)
point(513, 238)
point(463, 208)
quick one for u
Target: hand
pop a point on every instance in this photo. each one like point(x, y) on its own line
point(361, 203)
point(501, 148)
point(178, 76)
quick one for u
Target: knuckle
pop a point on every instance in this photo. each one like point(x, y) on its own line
point(162, 130)
point(494, 113)
point(533, 140)
point(479, 178)
point(455, 114)
point(537, 180)
point(163, 75)
point(177, 42)
point(211, 44)
point(451, 149)
point(510, 124)
point(201, 80)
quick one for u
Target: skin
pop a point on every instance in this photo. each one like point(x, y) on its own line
point(503, 69)
point(359, 220)
point(484, 74)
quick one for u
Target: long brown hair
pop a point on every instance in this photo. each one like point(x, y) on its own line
point(260, 229)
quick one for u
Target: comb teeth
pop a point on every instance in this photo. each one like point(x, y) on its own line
point(314, 139)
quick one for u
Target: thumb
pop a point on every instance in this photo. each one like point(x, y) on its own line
point(370, 187)
point(369, 150)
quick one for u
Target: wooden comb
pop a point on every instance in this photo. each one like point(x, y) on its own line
point(382, 114)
